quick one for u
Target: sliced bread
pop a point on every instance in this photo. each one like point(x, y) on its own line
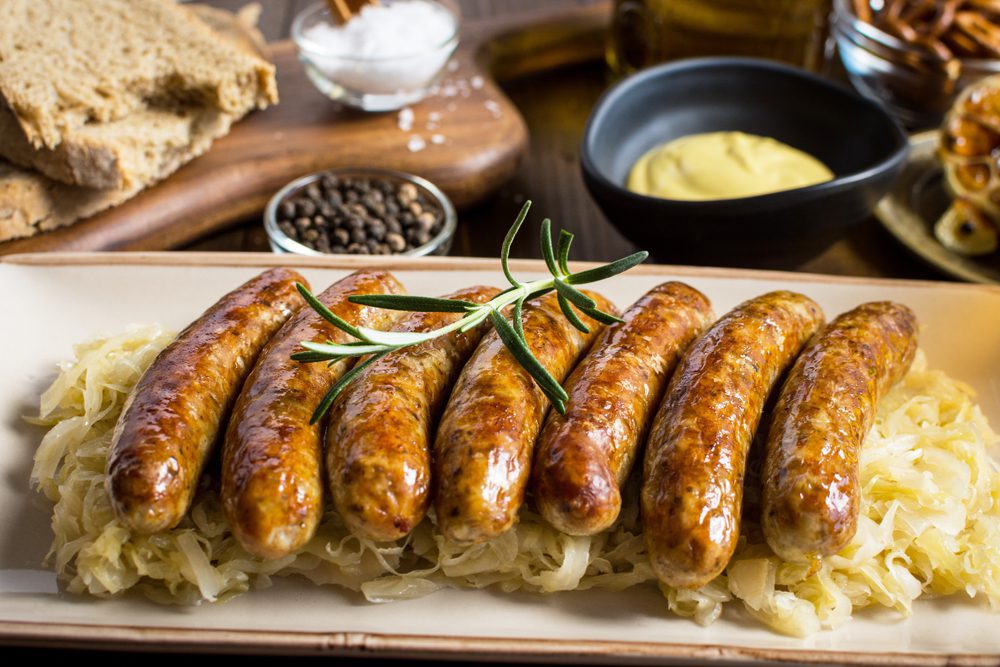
point(138, 149)
point(31, 203)
point(134, 151)
point(66, 63)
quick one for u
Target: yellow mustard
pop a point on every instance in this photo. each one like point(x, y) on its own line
point(723, 165)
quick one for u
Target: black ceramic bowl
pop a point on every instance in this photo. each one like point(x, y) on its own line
point(853, 136)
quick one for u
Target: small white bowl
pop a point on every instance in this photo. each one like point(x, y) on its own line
point(371, 82)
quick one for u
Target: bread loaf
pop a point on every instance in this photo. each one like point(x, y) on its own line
point(133, 151)
point(32, 203)
point(68, 63)
point(129, 153)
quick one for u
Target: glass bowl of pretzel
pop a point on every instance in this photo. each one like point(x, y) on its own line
point(916, 56)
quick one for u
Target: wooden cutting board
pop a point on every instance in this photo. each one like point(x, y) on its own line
point(483, 135)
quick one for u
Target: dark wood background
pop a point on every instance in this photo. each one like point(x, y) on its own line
point(555, 105)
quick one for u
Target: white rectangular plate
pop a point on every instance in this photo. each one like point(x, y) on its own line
point(49, 302)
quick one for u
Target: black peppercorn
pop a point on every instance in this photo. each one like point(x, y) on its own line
point(360, 215)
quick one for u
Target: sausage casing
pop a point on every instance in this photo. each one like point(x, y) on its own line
point(583, 456)
point(271, 464)
point(174, 416)
point(380, 432)
point(697, 449)
point(811, 493)
point(484, 444)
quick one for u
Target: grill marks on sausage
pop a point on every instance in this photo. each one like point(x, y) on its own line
point(584, 456)
point(484, 444)
point(381, 426)
point(697, 449)
point(271, 473)
point(811, 490)
point(173, 417)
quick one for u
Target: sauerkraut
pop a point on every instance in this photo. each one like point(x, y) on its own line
point(930, 521)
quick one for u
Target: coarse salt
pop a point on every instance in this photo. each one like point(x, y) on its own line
point(386, 48)
point(405, 120)
point(437, 139)
point(416, 143)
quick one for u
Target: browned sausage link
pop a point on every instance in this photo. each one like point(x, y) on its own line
point(175, 414)
point(811, 492)
point(697, 449)
point(484, 444)
point(271, 468)
point(584, 456)
point(378, 442)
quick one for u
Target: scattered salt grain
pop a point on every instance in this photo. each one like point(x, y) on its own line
point(437, 139)
point(405, 121)
point(453, 66)
point(416, 143)
point(385, 48)
point(476, 82)
point(492, 107)
point(434, 116)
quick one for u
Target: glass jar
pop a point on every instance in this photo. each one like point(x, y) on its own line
point(646, 32)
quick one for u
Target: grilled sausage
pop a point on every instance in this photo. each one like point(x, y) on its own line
point(379, 440)
point(271, 466)
point(696, 454)
point(175, 414)
point(583, 456)
point(811, 492)
point(484, 444)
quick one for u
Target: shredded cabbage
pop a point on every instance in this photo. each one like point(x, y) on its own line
point(930, 521)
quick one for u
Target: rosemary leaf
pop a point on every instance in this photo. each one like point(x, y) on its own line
point(509, 240)
point(475, 320)
point(423, 304)
point(601, 316)
point(547, 253)
point(573, 295)
point(519, 348)
point(608, 270)
point(565, 241)
point(538, 293)
point(567, 310)
point(335, 390)
point(311, 357)
point(345, 350)
point(396, 338)
point(325, 312)
point(516, 318)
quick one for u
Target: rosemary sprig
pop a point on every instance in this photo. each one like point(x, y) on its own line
point(380, 343)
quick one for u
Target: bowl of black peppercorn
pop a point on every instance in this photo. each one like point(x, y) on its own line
point(360, 212)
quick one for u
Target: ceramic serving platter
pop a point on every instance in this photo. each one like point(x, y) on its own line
point(48, 302)
point(914, 205)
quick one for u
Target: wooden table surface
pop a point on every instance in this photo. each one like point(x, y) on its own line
point(555, 105)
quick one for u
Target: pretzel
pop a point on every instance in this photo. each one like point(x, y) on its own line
point(946, 30)
point(981, 30)
point(863, 10)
